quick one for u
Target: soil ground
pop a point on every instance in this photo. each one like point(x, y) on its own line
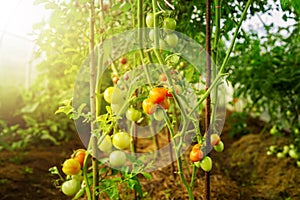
point(243, 171)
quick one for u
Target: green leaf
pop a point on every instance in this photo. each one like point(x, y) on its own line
point(5, 145)
point(146, 175)
point(134, 183)
point(47, 136)
point(296, 5)
point(285, 4)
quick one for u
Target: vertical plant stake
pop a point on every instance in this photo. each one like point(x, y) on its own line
point(207, 106)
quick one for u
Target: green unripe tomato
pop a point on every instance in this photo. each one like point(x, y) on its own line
point(172, 40)
point(206, 164)
point(150, 20)
point(159, 115)
point(293, 154)
point(106, 145)
point(133, 114)
point(117, 158)
point(219, 147)
point(298, 163)
point(113, 95)
point(272, 148)
point(70, 187)
point(273, 130)
point(151, 35)
point(280, 155)
point(121, 140)
point(285, 149)
point(169, 25)
point(162, 44)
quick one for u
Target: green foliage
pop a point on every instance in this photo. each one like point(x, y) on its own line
point(268, 76)
point(238, 124)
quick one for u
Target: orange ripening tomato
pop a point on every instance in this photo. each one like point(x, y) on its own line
point(196, 155)
point(71, 166)
point(158, 94)
point(149, 107)
point(165, 104)
point(79, 156)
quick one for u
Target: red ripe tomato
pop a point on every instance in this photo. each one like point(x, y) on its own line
point(123, 60)
point(165, 104)
point(79, 156)
point(71, 166)
point(158, 94)
point(149, 107)
point(196, 155)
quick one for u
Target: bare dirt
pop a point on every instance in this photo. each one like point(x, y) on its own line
point(243, 171)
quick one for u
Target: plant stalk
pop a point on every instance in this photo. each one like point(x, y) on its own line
point(92, 100)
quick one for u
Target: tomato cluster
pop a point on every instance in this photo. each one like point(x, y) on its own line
point(113, 145)
point(72, 168)
point(197, 156)
point(158, 97)
point(168, 25)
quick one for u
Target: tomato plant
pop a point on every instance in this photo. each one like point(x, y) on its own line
point(159, 93)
